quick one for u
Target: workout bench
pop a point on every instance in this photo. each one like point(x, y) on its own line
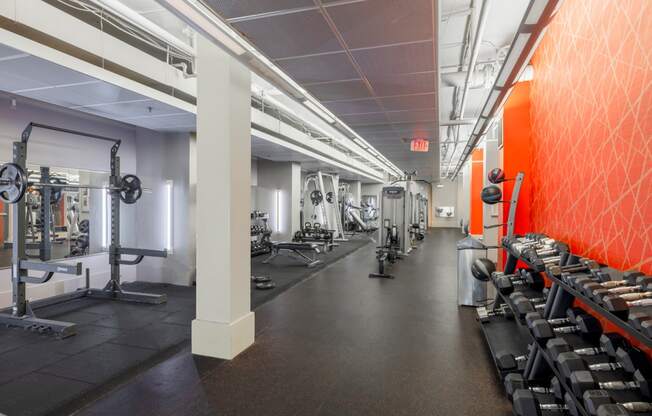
point(296, 250)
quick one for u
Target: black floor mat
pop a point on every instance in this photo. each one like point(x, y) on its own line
point(42, 375)
point(286, 272)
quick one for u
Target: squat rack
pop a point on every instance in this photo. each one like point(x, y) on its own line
point(22, 311)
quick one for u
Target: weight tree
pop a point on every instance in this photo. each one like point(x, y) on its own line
point(13, 184)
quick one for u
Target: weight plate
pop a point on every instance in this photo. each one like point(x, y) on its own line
point(130, 189)
point(316, 197)
point(84, 226)
point(329, 197)
point(13, 183)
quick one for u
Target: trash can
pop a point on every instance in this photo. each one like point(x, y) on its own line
point(470, 291)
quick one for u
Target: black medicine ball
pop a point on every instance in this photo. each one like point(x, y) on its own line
point(482, 269)
point(491, 194)
point(496, 175)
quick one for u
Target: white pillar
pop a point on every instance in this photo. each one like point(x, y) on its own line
point(356, 191)
point(224, 326)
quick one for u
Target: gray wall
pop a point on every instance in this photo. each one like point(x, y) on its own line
point(283, 178)
point(445, 196)
point(163, 159)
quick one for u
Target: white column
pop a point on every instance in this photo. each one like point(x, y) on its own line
point(224, 326)
point(356, 191)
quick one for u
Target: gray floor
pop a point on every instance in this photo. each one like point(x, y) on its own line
point(41, 375)
point(340, 344)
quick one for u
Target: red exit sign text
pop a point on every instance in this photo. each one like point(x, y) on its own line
point(419, 145)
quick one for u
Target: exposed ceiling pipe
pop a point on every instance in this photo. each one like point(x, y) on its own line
point(477, 41)
point(463, 59)
point(460, 122)
point(457, 79)
point(128, 14)
point(475, 50)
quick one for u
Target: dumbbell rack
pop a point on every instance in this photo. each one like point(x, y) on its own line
point(600, 310)
point(561, 296)
point(504, 334)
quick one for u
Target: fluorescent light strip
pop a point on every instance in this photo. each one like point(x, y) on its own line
point(105, 219)
point(169, 215)
point(278, 210)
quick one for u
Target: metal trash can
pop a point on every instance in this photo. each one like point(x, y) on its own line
point(470, 291)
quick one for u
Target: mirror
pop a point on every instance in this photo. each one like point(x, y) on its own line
point(75, 216)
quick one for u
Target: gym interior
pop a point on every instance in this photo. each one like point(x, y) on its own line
point(326, 207)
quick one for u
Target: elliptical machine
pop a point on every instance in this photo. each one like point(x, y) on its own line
point(389, 251)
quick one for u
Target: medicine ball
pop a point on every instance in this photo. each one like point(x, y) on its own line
point(496, 175)
point(491, 194)
point(482, 269)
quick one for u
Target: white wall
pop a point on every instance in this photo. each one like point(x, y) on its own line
point(446, 196)
point(280, 180)
point(163, 158)
point(372, 189)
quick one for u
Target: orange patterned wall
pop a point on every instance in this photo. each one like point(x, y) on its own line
point(591, 111)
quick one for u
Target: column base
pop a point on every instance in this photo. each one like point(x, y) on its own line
point(222, 340)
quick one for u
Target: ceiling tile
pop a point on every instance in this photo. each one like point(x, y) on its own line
point(320, 68)
point(365, 119)
point(381, 22)
point(403, 84)
point(354, 107)
point(340, 91)
point(237, 8)
point(412, 102)
point(416, 57)
point(412, 116)
point(7, 51)
point(31, 72)
point(295, 34)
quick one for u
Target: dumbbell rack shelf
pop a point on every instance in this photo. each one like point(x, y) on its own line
point(624, 325)
point(504, 335)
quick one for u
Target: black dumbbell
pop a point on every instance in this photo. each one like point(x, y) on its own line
point(586, 325)
point(523, 305)
point(509, 362)
point(588, 285)
point(627, 359)
point(636, 319)
point(525, 403)
point(609, 343)
point(582, 381)
point(584, 265)
point(621, 410)
point(619, 305)
point(485, 315)
point(642, 284)
point(571, 317)
point(516, 381)
point(603, 278)
point(595, 399)
point(505, 283)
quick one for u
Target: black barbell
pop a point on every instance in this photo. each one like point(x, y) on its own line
point(14, 183)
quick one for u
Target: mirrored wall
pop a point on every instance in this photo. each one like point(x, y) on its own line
point(75, 219)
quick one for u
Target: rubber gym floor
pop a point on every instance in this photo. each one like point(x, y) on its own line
point(339, 343)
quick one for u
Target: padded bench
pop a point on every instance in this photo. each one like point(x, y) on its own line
point(296, 251)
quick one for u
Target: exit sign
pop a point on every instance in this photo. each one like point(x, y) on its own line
point(419, 145)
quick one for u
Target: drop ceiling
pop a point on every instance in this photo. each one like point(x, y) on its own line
point(374, 62)
point(29, 76)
